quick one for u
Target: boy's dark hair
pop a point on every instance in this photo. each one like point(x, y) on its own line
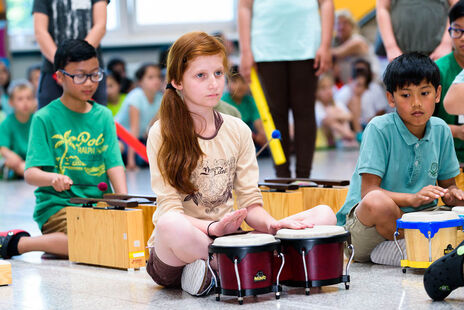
point(114, 62)
point(456, 11)
point(143, 69)
point(362, 67)
point(73, 50)
point(411, 68)
point(32, 68)
point(234, 74)
point(116, 76)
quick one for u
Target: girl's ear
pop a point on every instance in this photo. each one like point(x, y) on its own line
point(178, 86)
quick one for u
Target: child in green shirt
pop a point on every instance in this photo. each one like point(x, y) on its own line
point(14, 131)
point(72, 141)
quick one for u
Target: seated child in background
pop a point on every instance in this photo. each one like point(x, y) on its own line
point(333, 118)
point(113, 91)
point(33, 76)
point(239, 97)
point(140, 106)
point(118, 65)
point(4, 83)
point(364, 97)
point(14, 131)
point(72, 141)
point(403, 155)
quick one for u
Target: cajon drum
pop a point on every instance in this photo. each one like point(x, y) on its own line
point(280, 200)
point(148, 208)
point(316, 192)
point(111, 236)
point(5, 272)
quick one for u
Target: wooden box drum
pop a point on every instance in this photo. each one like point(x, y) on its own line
point(460, 231)
point(316, 192)
point(428, 236)
point(314, 256)
point(245, 265)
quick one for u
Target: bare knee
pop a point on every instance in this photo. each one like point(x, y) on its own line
point(172, 224)
point(377, 205)
point(325, 215)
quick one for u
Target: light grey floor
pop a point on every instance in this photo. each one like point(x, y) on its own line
point(59, 284)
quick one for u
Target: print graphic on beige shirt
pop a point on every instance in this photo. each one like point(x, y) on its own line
point(229, 164)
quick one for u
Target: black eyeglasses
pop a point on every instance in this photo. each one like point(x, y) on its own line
point(80, 78)
point(455, 33)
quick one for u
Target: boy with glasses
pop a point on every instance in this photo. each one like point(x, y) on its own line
point(450, 66)
point(72, 141)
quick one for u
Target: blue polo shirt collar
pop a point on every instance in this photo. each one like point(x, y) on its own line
point(407, 136)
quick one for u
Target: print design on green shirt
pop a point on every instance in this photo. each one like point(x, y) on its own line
point(433, 171)
point(91, 146)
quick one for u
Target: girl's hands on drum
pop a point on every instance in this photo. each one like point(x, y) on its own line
point(229, 223)
point(427, 195)
point(289, 223)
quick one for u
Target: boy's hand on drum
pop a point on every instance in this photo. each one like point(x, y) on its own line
point(61, 182)
point(290, 224)
point(229, 223)
point(427, 195)
point(454, 196)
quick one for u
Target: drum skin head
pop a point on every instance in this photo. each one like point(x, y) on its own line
point(250, 239)
point(315, 232)
point(458, 210)
point(431, 216)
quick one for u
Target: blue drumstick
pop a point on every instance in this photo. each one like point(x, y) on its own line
point(275, 135)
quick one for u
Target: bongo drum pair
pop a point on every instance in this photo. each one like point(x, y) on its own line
point(428, 236)
point(254, 264)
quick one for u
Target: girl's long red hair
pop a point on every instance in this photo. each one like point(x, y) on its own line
point(180, 151)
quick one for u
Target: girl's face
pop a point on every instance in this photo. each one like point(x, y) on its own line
point(112, 89)
point(4, 74)
point(151, 80)
point(324, 90)
point(203, 82)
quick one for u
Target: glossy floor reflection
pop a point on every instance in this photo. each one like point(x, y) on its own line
point(59, 284)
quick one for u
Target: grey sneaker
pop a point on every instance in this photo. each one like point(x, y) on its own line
point(197, 279)
point(387, 253)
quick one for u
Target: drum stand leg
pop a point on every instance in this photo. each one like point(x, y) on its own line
point(216, 287)
point(395, 235)
point(430, 246)
point(240, 297)
point(277, 294)
point(347, 270)
point(303, 256)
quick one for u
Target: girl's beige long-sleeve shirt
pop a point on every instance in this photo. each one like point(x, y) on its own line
point(229, 164)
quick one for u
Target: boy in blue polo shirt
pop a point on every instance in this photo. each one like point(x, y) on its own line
point(403, 156)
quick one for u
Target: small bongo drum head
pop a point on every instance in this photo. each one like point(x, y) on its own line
point(315, 232)
point(250, 239)
point(431, 216)
point(458, 210)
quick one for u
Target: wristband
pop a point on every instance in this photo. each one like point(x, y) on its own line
point(207, 229)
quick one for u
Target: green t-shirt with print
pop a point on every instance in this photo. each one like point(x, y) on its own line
point(449, 69)
point(82, 146)
point(247, 108)
point(14, 135)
